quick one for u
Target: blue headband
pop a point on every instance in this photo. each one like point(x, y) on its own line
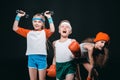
point(38, 19)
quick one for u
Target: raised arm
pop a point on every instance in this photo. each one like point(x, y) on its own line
point(17, 19)
point(50, 20)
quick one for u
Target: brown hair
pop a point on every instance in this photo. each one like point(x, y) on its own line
point(100, 56)
point(89, 40)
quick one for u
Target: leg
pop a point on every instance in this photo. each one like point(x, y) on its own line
point(78, 77)
point(91, 71)
point(94, 73)
point(88, 67)
point(69, 77)
point(42, 74)
point(33, 74)
point(42, 65)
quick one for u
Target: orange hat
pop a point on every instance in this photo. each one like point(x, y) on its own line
point(102, 36)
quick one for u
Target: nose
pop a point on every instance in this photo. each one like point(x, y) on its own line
point(36, 22)
point(103, 45)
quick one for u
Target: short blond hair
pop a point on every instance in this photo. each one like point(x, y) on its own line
point(65, 22)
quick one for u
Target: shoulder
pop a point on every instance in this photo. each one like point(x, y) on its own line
point(73, 40)
point(54, 42)
point(46, 30)
point(88, 46)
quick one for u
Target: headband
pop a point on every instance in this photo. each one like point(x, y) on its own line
point(38, 19)
point(66, 23)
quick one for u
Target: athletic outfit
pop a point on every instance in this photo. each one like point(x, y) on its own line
point(36, 47)
point(64, 61)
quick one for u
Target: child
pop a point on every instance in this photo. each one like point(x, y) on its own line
point(64, 53)
point(95, 51)
point(36, 43)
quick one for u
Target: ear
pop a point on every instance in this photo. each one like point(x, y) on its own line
point(70, 32)
point(59, 30)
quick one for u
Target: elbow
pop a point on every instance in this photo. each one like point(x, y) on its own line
point(53, 30)
point(14, 28)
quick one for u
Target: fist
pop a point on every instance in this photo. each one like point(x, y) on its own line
point(51, 71)
point(75, 48)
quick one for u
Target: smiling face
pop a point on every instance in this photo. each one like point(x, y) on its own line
point(101, 40)
point(38, 22)
point(65, 29)
point(100, 44)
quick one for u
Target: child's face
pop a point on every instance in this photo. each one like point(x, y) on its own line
point(100, 44)
point(64, 30)
point(37, 23)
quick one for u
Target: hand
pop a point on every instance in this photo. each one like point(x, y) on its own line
point(47, 14)
point(51, 71)
point(21, 13)
point(75, 48)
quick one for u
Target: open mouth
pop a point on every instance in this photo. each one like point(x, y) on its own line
point(64, 31)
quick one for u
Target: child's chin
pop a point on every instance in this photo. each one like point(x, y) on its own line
point(100, 48)
point(37, 29)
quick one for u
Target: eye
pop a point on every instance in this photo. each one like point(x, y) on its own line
point(102, 42)
point(62, 26)
point(34, 21)
point(67, 26)
point(39, 21)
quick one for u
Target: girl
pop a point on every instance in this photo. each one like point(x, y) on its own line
point(36, 43)
point(96, 52)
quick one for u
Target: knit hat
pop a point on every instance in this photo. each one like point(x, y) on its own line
point(102, 36)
